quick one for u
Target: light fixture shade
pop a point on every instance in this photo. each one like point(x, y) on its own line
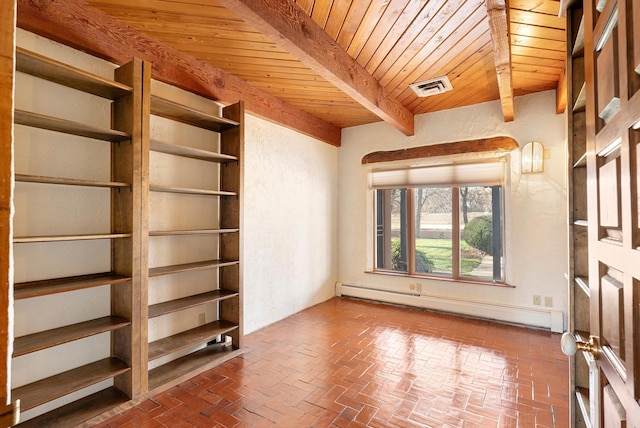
point(532, 158)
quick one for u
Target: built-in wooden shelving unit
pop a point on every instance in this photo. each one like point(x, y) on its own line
point(136, 366)
point(124, 92)
point(215, 340)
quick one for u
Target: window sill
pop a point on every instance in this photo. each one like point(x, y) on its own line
point(442, 278)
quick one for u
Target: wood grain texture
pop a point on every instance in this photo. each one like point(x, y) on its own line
point(170, 306)
point(285, 22)
point(470, 146)
point(499, 25)
point(46, 339)
point(78, 413)
point(193, 337)
point(7, 78)
point(396, 41)
point(55, 71)
point(42, 391)
point(25, 290)
point(93, 31)
point(125, 215)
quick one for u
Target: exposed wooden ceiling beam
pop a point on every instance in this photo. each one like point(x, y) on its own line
point(288, 25)
point(75, 24)
point(499, 25)
point(494, 144)
point(561, 92)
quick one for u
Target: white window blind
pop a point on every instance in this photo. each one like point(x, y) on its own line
point(478, 174)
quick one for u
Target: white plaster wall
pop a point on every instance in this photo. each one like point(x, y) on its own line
point(290, 222)
point(537, 248)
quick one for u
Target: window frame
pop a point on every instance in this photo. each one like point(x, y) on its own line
point(455, 237)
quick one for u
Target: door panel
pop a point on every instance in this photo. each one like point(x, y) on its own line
point(612, 60)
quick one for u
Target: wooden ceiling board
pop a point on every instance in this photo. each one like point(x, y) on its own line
point(405, 25)
point(320, 12)
point(549, 7)
point(466, 89)
point(537, 53)
point(475, 85)
point(454, 62)
point(336, 18)
point(397, 41)
point(461, 29)
point(536, 19)
point(415, 35)
point(357, 11)
point(306, 5)
point(387, 21)
point(366, 26)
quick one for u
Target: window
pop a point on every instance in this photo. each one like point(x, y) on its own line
point(441, 227)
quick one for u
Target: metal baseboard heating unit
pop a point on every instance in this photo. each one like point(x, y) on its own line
point(538, 318)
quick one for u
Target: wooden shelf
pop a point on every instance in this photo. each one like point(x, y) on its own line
point(80, 411)
point(582, 162)
point(25, 290)
point(190, 191)
point(190, 152)
point(191, 232)
point(581, 101)
point(54, 71)
point(181, 113)
point(578, 44)
point(68, 181)
point(50, 338)
point(582, 398)
point(583, 283)
point(185, 339)
point(184, 368)
point(60, 238)
point(581, 223)
point(45, 390)
point(207, 264)
point(176, 305)
point(51, 123)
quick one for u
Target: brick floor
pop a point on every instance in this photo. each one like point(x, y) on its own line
point(348, 363)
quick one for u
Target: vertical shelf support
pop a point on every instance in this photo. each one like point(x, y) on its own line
point(231, 179)
point(129, 344)
point(7, 79)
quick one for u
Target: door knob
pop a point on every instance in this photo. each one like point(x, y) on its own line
point(570, 345)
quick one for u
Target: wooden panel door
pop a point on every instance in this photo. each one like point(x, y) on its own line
point(612, 62)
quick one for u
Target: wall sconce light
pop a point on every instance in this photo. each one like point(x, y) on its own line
point(532, 157)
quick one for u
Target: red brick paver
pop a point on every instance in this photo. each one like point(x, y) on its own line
point(348, 363)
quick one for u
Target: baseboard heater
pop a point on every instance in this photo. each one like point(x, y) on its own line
point(539, 318)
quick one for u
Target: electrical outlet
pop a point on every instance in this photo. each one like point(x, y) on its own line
point(536, 300)
point(548, 301)
point(202, 320)
point(419, 288)
point(547, 153)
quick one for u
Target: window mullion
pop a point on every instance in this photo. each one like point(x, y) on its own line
point(411, 232)
point(455, 232)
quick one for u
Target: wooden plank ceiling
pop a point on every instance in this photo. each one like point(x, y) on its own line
point(390, 43)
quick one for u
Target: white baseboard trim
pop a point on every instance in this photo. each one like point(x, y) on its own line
point(539, 318)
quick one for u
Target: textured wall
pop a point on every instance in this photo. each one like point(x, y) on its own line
point(536, 249)
point(290, 222)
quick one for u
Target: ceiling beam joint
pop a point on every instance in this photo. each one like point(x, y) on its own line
point(289, 26)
